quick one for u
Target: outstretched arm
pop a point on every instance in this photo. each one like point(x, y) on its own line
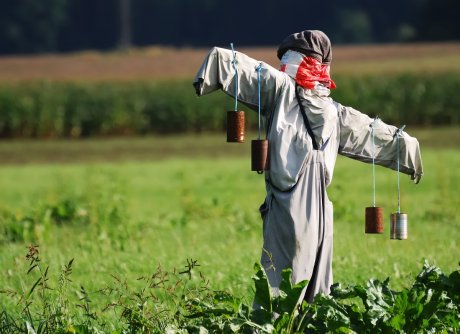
point(356, 142)
point(217, 72)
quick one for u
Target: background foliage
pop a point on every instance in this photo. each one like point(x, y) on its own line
point(55, 109)
point(29, 26)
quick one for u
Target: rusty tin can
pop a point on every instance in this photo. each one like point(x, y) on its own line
point(398, 226)
point(259, 155)
point(374, 220)
point(235, 126)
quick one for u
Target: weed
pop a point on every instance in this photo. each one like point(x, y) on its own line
point(182, 302)
point(42, 307)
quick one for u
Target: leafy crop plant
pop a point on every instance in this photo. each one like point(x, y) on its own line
point(181, 301)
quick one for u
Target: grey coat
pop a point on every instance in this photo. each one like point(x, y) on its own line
point(297, 214)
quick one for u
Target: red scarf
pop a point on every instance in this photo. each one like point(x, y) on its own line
point(308, 72)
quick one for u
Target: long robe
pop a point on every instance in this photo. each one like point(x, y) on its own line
point(297, 214)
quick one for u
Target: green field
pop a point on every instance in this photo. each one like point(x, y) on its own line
point(119, 212)
point(150, 186)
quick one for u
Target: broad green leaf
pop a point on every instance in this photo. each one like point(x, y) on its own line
point(289, 295)
point(429, 274)
point(397, 322)
point(235, 327)
point(261, 316)
point(282, 322)
point(286, 280)
point(454, 291)
point(331, 313)
point(339, 292)
point(263, 293)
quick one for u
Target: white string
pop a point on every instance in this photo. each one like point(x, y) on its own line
point(373, 163)
point(258, 91)
point(399, 186)
point(236, 77)
point(398, 135)
point(373, 155)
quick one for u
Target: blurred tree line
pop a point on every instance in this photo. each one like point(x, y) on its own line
point(34, 26)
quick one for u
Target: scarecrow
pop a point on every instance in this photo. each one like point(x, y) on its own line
point(306, 131)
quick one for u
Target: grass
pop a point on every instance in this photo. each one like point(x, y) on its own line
point(122, 207)
point(154, 148)
point(133, 213)
point(168, 212)
point(433, 212)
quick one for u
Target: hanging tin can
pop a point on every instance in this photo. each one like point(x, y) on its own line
point(398, 226)
point(374, 220)
point(235, 126)
point(374, 215)
point(259, 155)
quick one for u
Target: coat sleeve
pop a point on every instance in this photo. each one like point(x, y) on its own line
point(217, 72)
point(357, 142)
